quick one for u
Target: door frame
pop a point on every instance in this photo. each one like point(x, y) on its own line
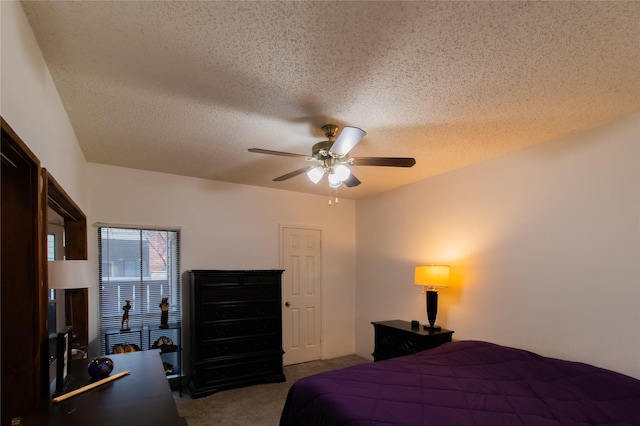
point(43, 191)
point(23, 271)
point(281, 227)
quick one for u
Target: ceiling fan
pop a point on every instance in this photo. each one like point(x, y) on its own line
point(332, 158)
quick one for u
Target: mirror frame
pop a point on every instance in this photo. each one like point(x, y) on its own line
point(76, 301)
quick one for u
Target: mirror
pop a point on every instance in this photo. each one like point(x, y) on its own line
point(55, 251)
point(66, 240)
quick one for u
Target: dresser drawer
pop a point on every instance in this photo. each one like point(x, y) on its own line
point(385, 338)
point(239, 328)
point(235, 278)
point(231, 311)
point(218, 372)
point(259, 292)
point(210, 377)
point(209, 278)
point(390, 340)
point(237, 346)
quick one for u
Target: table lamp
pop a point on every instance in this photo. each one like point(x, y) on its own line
point(73, 277)
point(433, 277)
point(68, 274)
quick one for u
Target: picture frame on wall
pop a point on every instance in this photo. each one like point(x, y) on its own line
point(63, 358)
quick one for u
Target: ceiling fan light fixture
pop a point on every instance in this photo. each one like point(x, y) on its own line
point(342, 172)
point(315, 174)
point(334, 180)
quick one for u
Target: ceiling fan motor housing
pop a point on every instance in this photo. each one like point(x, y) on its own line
point(330, 130)
point(320, 151)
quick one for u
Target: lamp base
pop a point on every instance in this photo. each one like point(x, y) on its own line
point(434, 328)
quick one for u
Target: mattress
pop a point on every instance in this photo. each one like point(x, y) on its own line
point(465, 383)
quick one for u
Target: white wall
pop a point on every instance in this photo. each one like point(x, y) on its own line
point(230, 226)
point(30, 104)
point(544, 245)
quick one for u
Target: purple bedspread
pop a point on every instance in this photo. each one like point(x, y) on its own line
point(465, 383)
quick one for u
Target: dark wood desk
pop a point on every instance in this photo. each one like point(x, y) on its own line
point(141, 398)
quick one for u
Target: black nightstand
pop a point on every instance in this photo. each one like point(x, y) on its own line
point(396, 338)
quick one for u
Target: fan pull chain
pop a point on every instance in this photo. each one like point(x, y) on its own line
point(335, 190)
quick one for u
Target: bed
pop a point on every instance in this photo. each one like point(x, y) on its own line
point(465, 383)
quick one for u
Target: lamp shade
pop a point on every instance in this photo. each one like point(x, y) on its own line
point(342, 172)
point(334, 180)
point(434, 276)
point(315, 174)
point(65, 274)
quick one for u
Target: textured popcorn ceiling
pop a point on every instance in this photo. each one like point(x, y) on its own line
point(187, 87)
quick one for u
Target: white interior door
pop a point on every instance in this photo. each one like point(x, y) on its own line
point(301, 294)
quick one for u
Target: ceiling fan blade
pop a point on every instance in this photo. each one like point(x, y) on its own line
point(347, 139)
point(352, 181)
point(293, 173)
point(384, 161)
point(268, 151)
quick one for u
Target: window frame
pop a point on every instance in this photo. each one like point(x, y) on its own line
point(148, 284)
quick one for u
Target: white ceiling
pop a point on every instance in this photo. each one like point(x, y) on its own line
point(187, 87)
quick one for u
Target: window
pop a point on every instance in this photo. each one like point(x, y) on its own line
point(51, 247)
point(51, 293)
point(142, 266)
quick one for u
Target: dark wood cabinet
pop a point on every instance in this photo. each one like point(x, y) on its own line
point(397, 338)
point(236, 329)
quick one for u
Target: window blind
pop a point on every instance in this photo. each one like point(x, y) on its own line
point(142, 266)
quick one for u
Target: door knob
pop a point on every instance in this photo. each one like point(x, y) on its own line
point(287, 304)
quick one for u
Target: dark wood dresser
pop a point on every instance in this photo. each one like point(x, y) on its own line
point(236, 329)
point(396, 338)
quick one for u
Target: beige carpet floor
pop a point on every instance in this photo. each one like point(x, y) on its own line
point(258, 405)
